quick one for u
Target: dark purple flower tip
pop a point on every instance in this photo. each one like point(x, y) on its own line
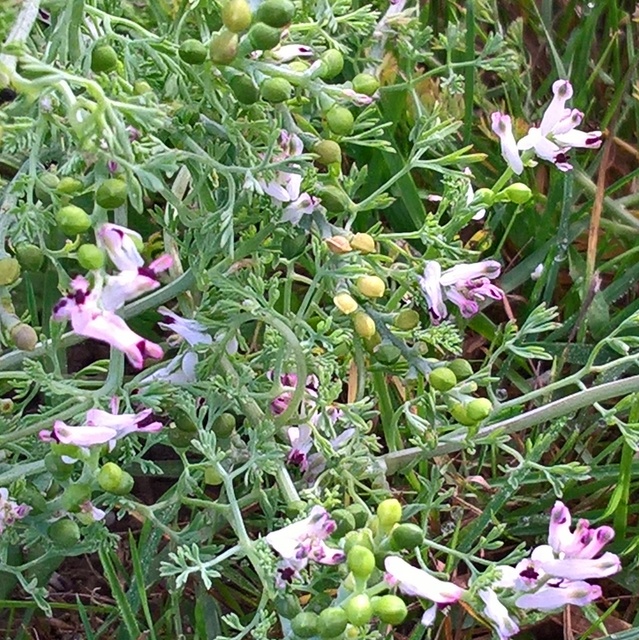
point(147, 273)
point(529, 573)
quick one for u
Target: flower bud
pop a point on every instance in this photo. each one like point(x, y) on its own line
point(276, 90)
point(479, 409)
point(328, 152)
point(9, 270)
point(389, 513)
point(364, 325)
point(407, 319)
point(406, 536)
point(361, 561)
point(223, 47)
point(390, 609)
point(275, 13)
point(113, 479)
point(359, 610)
point(518, 192)
point(29, 256)
point(340, 120)
point(72, 220)
point(338, 245)
point(371, 286)
point(365, 83)
point(263, 37)
point(236, 15)
point(364, 243)
point(332, 64)
point(332, 622)
point(64, 533)
point(224, 425)
point(91, 257)
point(304, 624)
point(347, 304)
point(461, 368)
point(483, 196)
point(442, 379)
point(24, 337)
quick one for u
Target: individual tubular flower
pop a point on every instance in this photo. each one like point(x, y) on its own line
point(553, 597)
point(190, 330)
point(303, 541)
point(503, 128)
point(289, 382)
point(10, 511)
point(119, 243)
point(465, 285)
point(498, 614)
point(417, 582)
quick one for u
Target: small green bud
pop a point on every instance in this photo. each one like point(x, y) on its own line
point(9, 270)
point(361, 561)
point(328, 152)
point(359, 610)
point(518, 192)
point(304, 624)
point(192, 51)
point(365, 83)
point(91, 257)
point(264, 37)
point(65, 533)
point(442, 379)
point(332, 63)
point(406, 536)
point(484, 196)
point(103, 59)
point(244, 89)
point(371, 286)
point(24, 337)
point(479, 409)
point(276, 90)
point(389, 513)
point(332, 622)
point(340, 120)
point(69, 185)
point(72, 220)
point(461, 368)
point(236, 15)
point(275, 13)
point(390, 609)
point(407, 319)
point(113, 479)
point(223, 47)
point(29, 256)
point(224, 425)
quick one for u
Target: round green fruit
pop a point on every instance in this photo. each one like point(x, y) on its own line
point(363, 538)
point(442, 379)
point(236, 15)
point(68, 185)
point(359, 610)
point(406, 536)
point(276, 13)
point(340, 120)
point(361, 561)
point(461, 368)
point(244, 89)
point(304, 624)
point(9, 270)
point(458, 412)
point(332, 63)
point(72, 220)
point(264, 37)
point(111, 194)
point(389, 513)
point(193, 51)
point(365, 83)
point(390, 609)
point(65, 533)
point(90, 257)
point(275, 90)
point(223, 47)
point(328, 152)
point(29, 256)
point(103, 59)
point(288, 606)
point(332, 622)
point(479, 409)
point(113, 479)
point(224, 425)
point(407, 319)
point(334, 198)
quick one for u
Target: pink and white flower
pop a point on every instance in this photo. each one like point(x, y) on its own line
point(465, 285)
point(504, 624)
point(10, 510)
point(502, 126)
point(119, 243)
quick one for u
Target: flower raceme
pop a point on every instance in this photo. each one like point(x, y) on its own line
point(555, 136)
point(465, 285)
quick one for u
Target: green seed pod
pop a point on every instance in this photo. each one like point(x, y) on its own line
point(24, 337)
point(332, 64)
point(406, 536)
point(461, 368)
point(442, 379)
point(518, 192)
point(275, 13)
point(371, 286)
point(407, 319)
point(328, 152)
point(72, 220)
point(29, 256)
point(103, 59)
point(224, 425)
point(244, 89)
point(223, 47)
point(64, 533)
point(458, 412)
point(332, 622)
point(334, 198)
point(484, 197)
point(293, 247)
point(304, 624)
point(91, 257)
point(365, 83)
point(387, 354)
point(363, 538)
point(345, 522)
point(192, 51)
point(180, 439)
point(111, 194)
point(359, 610)
point(75, 496)
point(287, 606)
point(340, 120)
point(9, 270)
point(46, 183)
point(364, 243)
point(263, 37)
point(236, 15)
point(113, 479)
point(479, 409)
point(56, 467)
point(360, 513)
point(68, 186)
point(361, 561)
point(390, 609)
point(212, 477)
point(364, 325)
point(389, 513)
point(276, 90)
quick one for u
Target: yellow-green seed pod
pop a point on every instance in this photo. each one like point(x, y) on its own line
point(340, 120)
point(407, 319)
point(389, 513)
point(371, 286)
point(236, 15)
point(223, 47)
point(91, 257)
point(364, 243)
point(365, 83)
point(442, 379)
point(364, 324)
point(479, 409)
point(338, 245)
point(24, 337)
point(328, 152)
point(346, 304)
point(9, 271)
